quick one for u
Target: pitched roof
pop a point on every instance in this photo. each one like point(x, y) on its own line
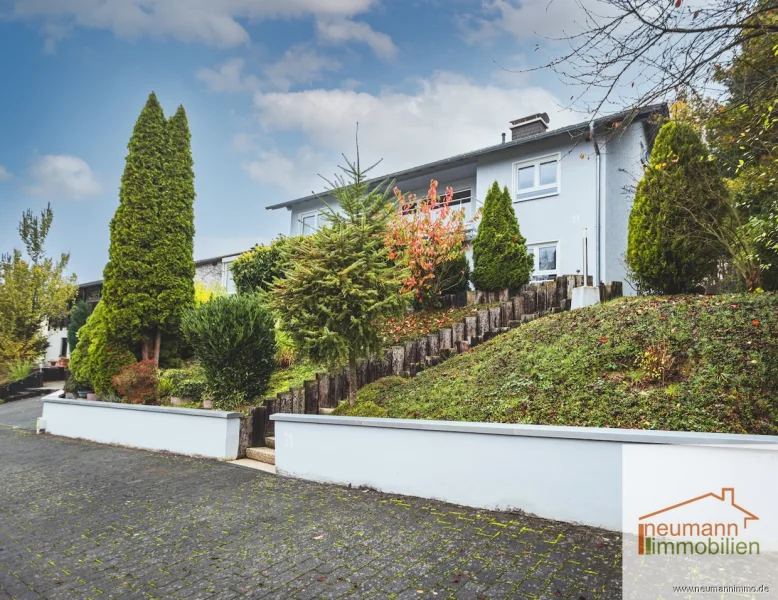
point(198, 263)
point(468, 157)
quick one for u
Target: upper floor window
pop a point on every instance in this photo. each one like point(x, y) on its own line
point(310, 222)
point(537, 178)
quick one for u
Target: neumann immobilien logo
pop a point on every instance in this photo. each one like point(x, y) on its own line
point(711, 524)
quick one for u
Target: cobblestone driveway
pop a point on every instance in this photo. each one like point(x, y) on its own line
point(81, 520)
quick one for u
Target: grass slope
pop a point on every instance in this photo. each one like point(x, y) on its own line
point(680, 363)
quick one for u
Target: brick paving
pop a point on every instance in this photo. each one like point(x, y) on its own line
point(82, 520)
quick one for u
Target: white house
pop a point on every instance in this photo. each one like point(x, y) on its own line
point(563, 181)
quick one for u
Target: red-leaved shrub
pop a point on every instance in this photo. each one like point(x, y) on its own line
point(137, 383)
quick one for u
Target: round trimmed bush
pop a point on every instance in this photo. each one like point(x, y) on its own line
point(233, 337)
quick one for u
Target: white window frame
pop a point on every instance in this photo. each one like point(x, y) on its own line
point(310, 213)
point(534, 249)
point(538, 191)
point(227, 275)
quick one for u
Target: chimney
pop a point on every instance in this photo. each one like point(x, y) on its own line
point(527, 126)
point(503, 138)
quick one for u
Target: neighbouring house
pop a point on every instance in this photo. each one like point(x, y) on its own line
point(563, 182)
point(210, 271)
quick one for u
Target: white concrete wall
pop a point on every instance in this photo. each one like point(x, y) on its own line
point(209, 433)
point(564, 473)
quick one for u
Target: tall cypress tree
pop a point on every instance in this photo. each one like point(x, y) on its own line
point(130, 287)
point(500, 258)
point(174, 248)
point(149, 279)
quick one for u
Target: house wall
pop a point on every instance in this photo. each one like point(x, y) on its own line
point(54, 337)
point(210, 274)
point(622, 169)
point(561, 217)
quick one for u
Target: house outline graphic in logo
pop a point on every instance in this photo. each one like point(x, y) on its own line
point(696, 530)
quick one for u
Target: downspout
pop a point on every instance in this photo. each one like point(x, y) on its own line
point(597, 206)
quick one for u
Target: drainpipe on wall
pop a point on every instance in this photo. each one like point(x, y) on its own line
point(597, 207)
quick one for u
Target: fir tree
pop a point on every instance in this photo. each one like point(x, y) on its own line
point(670, 249)
point(342, 282)
point(500, 258)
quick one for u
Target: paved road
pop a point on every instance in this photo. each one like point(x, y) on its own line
point(80, 520)
point(21, 413)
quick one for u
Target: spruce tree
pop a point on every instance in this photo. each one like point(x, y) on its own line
point(670, 249)
point(341, 282)
point(500, 258)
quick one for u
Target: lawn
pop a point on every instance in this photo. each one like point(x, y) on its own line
point(692, 363)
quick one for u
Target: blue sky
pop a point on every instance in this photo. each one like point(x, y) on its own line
point(273, 90)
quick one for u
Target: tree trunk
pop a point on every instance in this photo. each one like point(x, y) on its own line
point(157, 346)
point(151, 346)
point(352, 378)
point(147, 348)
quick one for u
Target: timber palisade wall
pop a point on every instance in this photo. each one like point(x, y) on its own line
point(409, 358)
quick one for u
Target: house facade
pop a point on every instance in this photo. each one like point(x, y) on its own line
point(567, 185)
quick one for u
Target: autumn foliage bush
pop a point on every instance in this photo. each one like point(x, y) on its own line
point(427, 236)
point(137, 383)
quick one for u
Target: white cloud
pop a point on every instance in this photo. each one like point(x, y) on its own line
point(243, 143)
point(57, 176)
point(523, 19)
point(340, 31)
point(299, 64)
point(212, 22)
point(5, 174)
point(447, 115)
point(297, 174)
point(228, 77)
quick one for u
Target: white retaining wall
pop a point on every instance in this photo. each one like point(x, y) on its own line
point(209, 433)
point(569, 474)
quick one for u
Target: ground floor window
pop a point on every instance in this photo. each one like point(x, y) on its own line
point(545, 258)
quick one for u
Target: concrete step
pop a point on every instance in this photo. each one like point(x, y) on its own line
point(270, 442)
point(254, 464)
point(262, 454)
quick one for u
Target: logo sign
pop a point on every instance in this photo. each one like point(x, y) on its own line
point(700, 521)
